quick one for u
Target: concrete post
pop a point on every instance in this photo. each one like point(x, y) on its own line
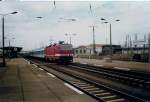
point(149, 47)
point(3, 42)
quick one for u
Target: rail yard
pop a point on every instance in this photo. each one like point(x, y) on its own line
point(101, 83)
point(74, 51)
point(89, 82)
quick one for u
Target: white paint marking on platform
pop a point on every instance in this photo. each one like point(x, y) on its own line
point(99, 65)
point(35, 65)
point(73, 88)
point(51, 75)
point(127, 69)
point(28, 62)
point(41, 69)
point(83, 63)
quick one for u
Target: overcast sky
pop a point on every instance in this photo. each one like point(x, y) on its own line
point(30, 32)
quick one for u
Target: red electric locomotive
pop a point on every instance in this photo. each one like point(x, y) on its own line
point(61, 53)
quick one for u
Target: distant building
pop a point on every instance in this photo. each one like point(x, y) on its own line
point(137, 53)
point(116, 49)
point(81, 50)
point(101, 49)
point(135, 50)
point(98, 48)
point(88, 50)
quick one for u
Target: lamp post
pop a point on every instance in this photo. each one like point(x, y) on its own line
point(105, 21)
point(149, 47)
point(70, 36)
point(39, 17)
point(94, 45)
point(3, 40)
point(68, 20)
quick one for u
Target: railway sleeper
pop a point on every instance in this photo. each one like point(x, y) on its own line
point(117, 100)
point(103, 94)
point(109, 97)
point(87, 87)
point(82, 85)
point(91, 89)
point(96, 91)
point(122, 78)
point(79, 83)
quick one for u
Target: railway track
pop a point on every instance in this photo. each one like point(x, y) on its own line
point(96, 90)
point(128, 77)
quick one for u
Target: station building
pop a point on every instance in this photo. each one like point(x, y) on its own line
point(87, 50)
point(101, 49)
point(11, 51)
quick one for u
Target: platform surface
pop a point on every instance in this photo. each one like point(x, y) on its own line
point(1, 61)
point(123, 65)
point(23, 82)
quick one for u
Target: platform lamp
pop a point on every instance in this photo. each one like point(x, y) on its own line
point(39, 17)
point(105, 21)
point(70, 36)
point(61, 19)
point(3, 40)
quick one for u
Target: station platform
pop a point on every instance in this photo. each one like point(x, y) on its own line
point(122, 65)
point(1, 61)
point(23, 82)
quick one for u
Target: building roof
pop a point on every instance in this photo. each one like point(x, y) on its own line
point(96, 45)
point(18, 49)
point(89, 46)
point(82, 46)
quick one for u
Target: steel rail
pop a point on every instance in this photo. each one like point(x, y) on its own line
point(133, 98)
point(122, 75)
point(67, 81)
point(127, 96)
point(134, 73)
